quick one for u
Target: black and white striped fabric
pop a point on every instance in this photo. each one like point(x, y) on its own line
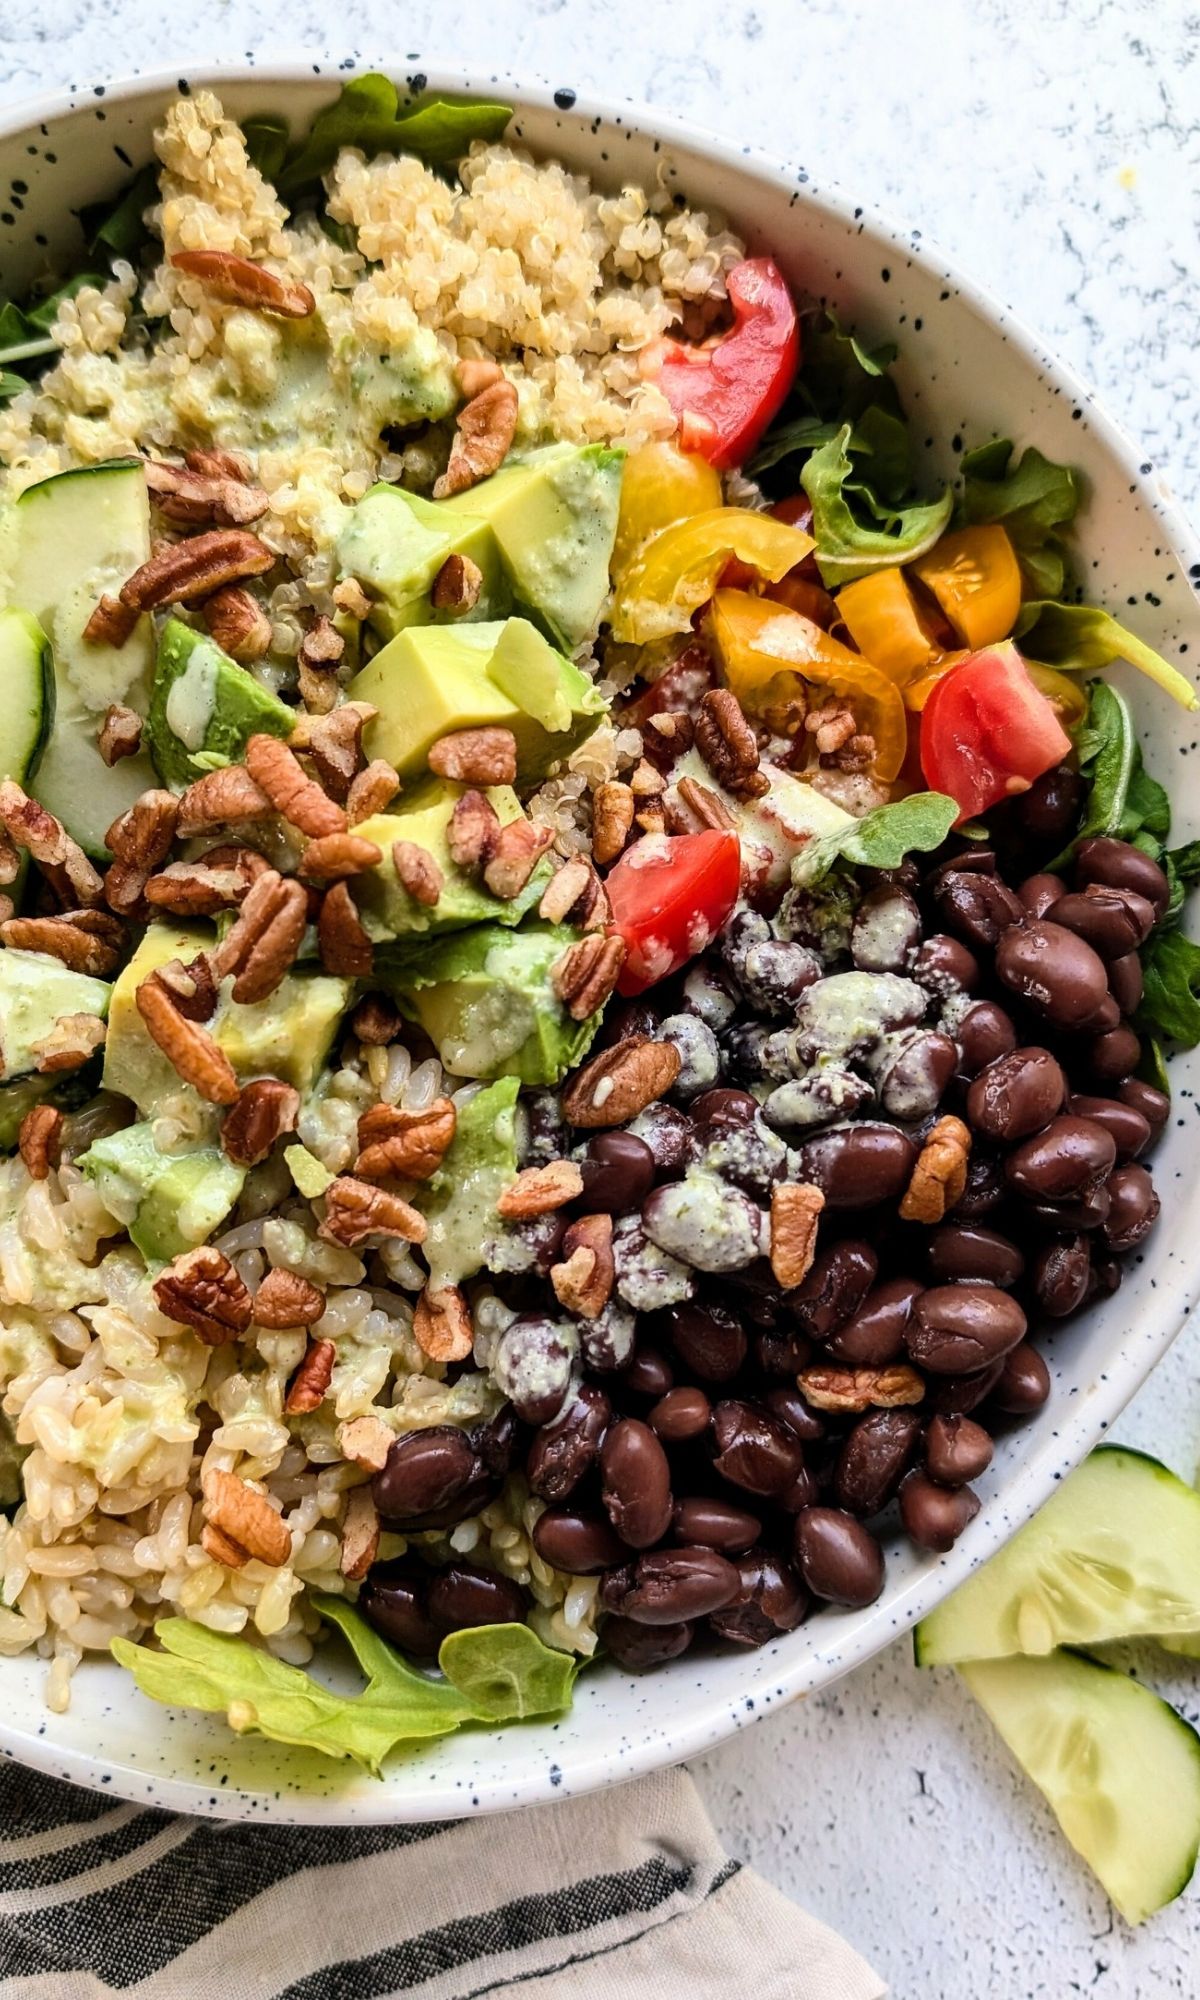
point(627, 1896)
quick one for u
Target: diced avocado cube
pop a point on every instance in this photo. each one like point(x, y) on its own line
point(205, 708)
point(554, 515)
point(388, 908)
point(15, 1100)
point(169, 1202)
point(394, 543)
point(459, 1203)
point(432, 680)
point(486, 1000)
point(35, 991)
point(134, 1065)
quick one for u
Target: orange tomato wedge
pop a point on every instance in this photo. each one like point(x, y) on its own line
point(884, 620)
point(975, 577)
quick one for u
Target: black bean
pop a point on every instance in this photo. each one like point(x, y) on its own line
point(1023, 1383)
point(803, 1103)
point(856, 1166)
point(835, 1287)
point(886, 928)
point(1113, 1055)
point(1106, 1016)
point(562, 1452)
point(958, 1395)
point(425, 1471)
point(743, 1052)
point(770, 1601)
point(966, 1250)
point(1134, 1210)
point(579, 1544)
point(1089, 1211)
point(648, 1374)
point(723, 1107)
point(745, 927)
point(1049, 811)
point(1052, 969)
point(705, 1223)
point(710, 993)
point(673, 1586)
point(464, 1594)
point(546, 1129)
point(984, 1035)
point(532, 1365)
point(393, 1600)
point(1117, 865)
point(873, 1458)
point(607, 1342)
point(956, 1450)
point(875, 1334)
point(1060, 1275)
point(782, 1354)
point(640, 1648)
point(1064, 1162)
point(496, 1441)
point(773, 974)
point(746, 1153)
point(709, 1341)
point(934, 1516)
point(679, 1415)
point(943, 965)
point(1039, 893)
point(838, 1559)
point(1112, 922)
point(1129, 1129)
point(715, 1524)
point(1154, 1105)
point(636, 1483)
point(699, 1056)
point(977, 908)
point(1126, 982)
point(755, 1450)
point(913, 1069)
point(618, 1173)
point(959, 1329)
point(799, 1416)
point(1017, 1095)
point(668, 1134)
point(984, 1189)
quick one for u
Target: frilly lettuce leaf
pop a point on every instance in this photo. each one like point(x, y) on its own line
point(857, 532)
point(1032, 499)
point(882, 838)
point(367, 115)
point(506, 1673)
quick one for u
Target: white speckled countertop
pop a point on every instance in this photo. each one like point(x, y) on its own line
point(1053, 146)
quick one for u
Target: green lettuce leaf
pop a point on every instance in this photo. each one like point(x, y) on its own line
point(368, 115)
point(882, 838)
point(1078, 638)
point(119, 226)
point(506, 1673)
point(1171, 971)
point(848, 545)
point(1032, 499)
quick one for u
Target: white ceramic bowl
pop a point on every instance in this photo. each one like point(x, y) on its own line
point(967, 371)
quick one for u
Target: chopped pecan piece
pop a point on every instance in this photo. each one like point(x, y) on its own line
point(334, 742)
point(320, 651)
point(645, 782)
point(652, 818)
point(540, 1190)
point(360, 1534)
point(181, 572)
point(729, 746)
point(612, 820)
point(516, 851)
point(473, 831)
point(587, 973)
point(442, 1324)
point(61, 859)
point(668, 736)
point(219, 880)
point(300, 800)
point(262, 946)
point(202, 1290)
point(40, 1140)
point(620, 1082)
point(375, 1021)
point(285, 1300)
point(576, 894)
point(855, 1389)
point(940, 1175)
point(707, 808)
point(111, 623)
point(484, 431)
point(832, 725)
point(583, 1281)
point(366, 1441)
point(222, 1548)
point(120, 733)
point(350, 597)
point(266, 1109)
point(240, 282)
point(356, 1209)
point(306, 1390)
point(371, 791)
point(140, 839)
point(795, 1212)
point(457, 585)
point(192, 987)
point(10, 860)
point(247, 1518)
point(476, 376)
point(85, 940)
point(221, 798)
point(404, 1145)
point(238, 623)
point(72, 1041)
point(186, 1045)
point(345, 948)
point(417, 871)
point(216, 463)
point(336, 856)
point(200, 499)
point(486, 756)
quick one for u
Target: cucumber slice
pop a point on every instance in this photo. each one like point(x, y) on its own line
point(27, 677)
point(1118, 1767)
point(1114, 1554)
point(77, 786)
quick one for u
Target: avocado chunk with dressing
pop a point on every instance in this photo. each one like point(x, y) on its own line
point(459, 1203)
point(205, 708)
point(486, 1000)
point(388, 909)
point(434, 679)
point(35, 992)
point(169, 1202)
point(554, 516)
point(394, 543)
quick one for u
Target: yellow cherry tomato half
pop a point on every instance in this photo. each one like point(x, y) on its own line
point(885, 622)
point(1066, 696)
point(975, 577)
point(677, 572)
point(660, 485)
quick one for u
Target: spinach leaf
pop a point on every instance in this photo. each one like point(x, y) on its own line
point(119, 226)
point(849, 546)
point(506, 1673)
point(1123, 799)
point(367, 115)
point(882, 838)
point(266, 137)
point(1033, 499)
point(44, 313)
point(1186, 863)
point(1171, 971)
point(1078, 638)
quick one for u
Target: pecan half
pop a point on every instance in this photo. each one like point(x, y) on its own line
point(795, 1212)
point(240, 282)
point(192, 987)
point(854, 1389)
point(238, 623)
point(583, 1281)
point(371, 791)
point(219, 880)
point(473, 830)
point(355, 1209)
point(40, 1140)
point(442, 1324)
point(706, 808)
point(85, 940)
point(417, 871)
point(334, 742)
point(540, 1190)
point(366, 1441)
point(612, 820)
point(484, 431)
point(262, 946)
point(180, 572)
point(222, 1548)
point(306, 1390)
point(516, 851)
point(266, 1109)
point(728, 745)
point(336, 856)
point(285, 1300)
point(221, 798)
point(72, 1041)
point(375, 1021)
point(202, 1290)
point(577, 894)
point(360, 1534)
point(186, 1045)
point(486, 756)
point(620, 1082)
point(120, 734)
point(457, 585)
point(61, 859)
point(199, 499)
point(587, 973)
point(140, 839)
point(940, 1175)
point(404, 1145)
point(299, 799)
point(247, 1517)
point(345, 948)
point(111, 623)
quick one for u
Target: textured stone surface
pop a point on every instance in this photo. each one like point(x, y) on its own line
point(1053, 147)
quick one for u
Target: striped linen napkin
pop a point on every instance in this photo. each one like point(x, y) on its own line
point(623, 1896)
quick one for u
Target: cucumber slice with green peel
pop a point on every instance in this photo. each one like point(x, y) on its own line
point(1118, 1767)
point(1115, 1554)
point(27, 680)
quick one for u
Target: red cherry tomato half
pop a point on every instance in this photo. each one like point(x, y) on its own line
point(669, 896)
point(725, 392)
point(987, 732)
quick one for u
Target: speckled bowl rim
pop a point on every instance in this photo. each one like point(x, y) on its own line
point(697, 1725)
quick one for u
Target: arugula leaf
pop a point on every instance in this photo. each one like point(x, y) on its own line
point(1078, 638)
point(367, 115)
point(882, 838)
point(1123, 799)
point(1152, 1068)
point(266, 137)
point(10, 385)
point(794, 439)
point(1032, 499)
point(848, 546)
point(506, 1673)
point(1171, 971)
